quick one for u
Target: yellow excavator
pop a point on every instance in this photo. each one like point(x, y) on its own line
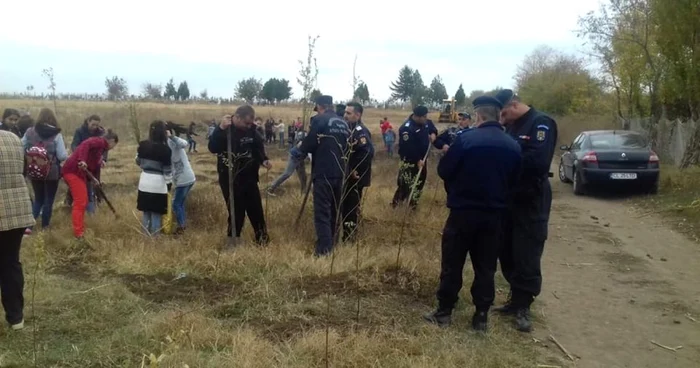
point(448, 112)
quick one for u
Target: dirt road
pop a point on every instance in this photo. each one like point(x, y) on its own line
point(615, 280)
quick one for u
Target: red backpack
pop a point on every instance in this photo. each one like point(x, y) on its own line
point(38, 163)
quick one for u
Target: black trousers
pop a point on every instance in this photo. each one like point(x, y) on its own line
point(352, 199)
point(246, 200)
point(521, 254)
point(327, 193)
point(404, 182)
point(11, 276)
point(479, 233)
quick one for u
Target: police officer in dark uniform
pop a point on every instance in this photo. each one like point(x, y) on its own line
point(327, 143)
point(359, 168)
point(445, 139)
point(248, 148)
point(526, 230)
point(479, 170)
point(415, 137)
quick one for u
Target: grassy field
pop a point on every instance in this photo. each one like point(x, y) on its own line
point(132, 299)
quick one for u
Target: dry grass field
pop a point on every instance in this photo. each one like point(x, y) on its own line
point(131, 299)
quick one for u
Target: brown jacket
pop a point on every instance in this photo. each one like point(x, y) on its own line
point(15, 205)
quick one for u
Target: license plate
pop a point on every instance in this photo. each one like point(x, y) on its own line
point(623, 176)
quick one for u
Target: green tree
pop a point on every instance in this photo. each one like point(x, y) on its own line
point(276, 90)
point(420, 91)
point(170, 91)
point(362, 93)
point(460, 97)
point(116, 88)
point(204, 95)
point(557, 83)
point(248, 89)
point(183, 91)
point(403, 89)
point(152, 90)
point(437, 91)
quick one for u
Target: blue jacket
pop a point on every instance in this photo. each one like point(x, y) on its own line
point(414, 140)
point(480, 168)
point(327, 142)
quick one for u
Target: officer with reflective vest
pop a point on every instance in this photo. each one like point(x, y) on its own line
point(327, 143)
point(445, 139)
point(526, 230)
point(415, 137)
point(480, 169)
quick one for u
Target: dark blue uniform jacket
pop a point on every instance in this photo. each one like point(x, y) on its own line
point(414, 140)
point(480, 168)
point(361, 153)
point(327, 142)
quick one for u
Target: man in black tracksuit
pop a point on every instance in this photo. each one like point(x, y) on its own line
point(445, 139)
point(415, 137)
point(359, 168)
point(526, 228)
point(327, 143)
point(248, 152)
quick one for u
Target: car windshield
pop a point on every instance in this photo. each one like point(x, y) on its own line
point(618, 140)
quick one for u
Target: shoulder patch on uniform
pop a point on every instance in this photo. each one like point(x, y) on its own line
point(542, 126)
point(363, 140)
point(405, 136)
point(541, 135)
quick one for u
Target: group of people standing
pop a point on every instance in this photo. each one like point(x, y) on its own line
point(495, 172)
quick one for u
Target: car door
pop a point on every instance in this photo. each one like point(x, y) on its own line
point(570, 156)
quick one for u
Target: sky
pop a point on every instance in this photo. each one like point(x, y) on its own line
point(212, 44)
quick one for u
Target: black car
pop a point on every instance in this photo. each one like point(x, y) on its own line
point(610, 157)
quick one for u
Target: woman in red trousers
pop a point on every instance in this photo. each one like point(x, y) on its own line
point(86, 157)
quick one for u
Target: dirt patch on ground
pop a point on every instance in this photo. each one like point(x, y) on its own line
point(623, 262)
point(164, 288)
point(369, 282)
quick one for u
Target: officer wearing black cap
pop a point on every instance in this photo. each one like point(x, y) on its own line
point(479, 170)
point(445, 139)
point(327, 143)
point(415, 136)
point(526, 230)
point(359, 168)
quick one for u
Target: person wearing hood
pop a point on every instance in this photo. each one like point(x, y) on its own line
point(46, 134)
point(91, 128)
point(9, 121)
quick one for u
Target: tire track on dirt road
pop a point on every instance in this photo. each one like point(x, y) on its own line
point(613, 282)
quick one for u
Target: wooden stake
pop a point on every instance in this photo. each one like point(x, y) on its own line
point(562, 348)
point(667, 347)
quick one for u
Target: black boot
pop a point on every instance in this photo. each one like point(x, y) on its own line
point(480, 321)
point(508, 308)
point(441, 317)
point(522, 320)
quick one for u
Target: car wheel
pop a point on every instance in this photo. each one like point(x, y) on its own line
point(578, 185)
point(562, 174)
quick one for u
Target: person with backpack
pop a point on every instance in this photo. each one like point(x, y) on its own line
point(45, 152)
point(86, 157)
point(183, 176)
